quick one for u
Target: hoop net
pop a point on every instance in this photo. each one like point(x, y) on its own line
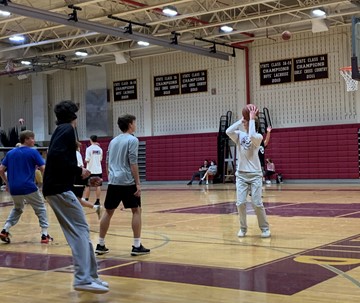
point(351, 84)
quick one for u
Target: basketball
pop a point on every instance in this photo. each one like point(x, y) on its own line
point(286, 35)
point(246, 112)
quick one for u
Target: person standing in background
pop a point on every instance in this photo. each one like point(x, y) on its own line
point(264, 144)
point(79, 185)
point(93, 158)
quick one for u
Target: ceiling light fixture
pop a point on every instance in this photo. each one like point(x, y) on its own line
point(226, 29)
point(25, 62)
point(4, 13)
point(37, 13)
point(81, 53)
point(318, 12)
point(143, 43)
point(17, 38)
point(170, 11)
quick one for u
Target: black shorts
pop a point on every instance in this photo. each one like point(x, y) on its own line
point(121, 193)
point(92, 175)
point(78, 191)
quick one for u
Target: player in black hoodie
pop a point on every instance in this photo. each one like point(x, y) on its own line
point(61, 170)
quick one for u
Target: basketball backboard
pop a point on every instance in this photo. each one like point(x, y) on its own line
point(355, 51)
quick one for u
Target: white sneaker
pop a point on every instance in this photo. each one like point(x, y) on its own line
point(93, 287)
point(265, 234)
point(98, 210)
point(268, 182)
point(241, 233)
point(101, 282)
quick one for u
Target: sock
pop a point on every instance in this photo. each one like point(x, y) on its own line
point(137, 242)
point(102, 241)
point(7, 227)
point(44, 231)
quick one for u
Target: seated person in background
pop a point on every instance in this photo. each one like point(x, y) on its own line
point(270, 170)
point(212, 170)
point(200, 173)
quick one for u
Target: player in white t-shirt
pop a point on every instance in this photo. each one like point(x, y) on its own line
point(93, 158)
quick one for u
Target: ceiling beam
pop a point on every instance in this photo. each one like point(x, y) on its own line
point(116, 32)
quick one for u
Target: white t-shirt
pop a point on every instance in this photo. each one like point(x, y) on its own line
point(93, 158)
point(247, 145)
point(80, 161)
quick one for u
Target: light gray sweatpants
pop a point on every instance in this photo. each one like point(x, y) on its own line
point(243, 181)
point(71, 217)
point(36, 201)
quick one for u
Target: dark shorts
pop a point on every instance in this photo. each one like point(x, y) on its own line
point(121, 193)
point(78, 191)
point(92, 175)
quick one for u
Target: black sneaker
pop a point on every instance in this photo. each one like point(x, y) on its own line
point(101, 249)
point(97, 203)
point(5, 236)
point(190, 183)
point(138, 251)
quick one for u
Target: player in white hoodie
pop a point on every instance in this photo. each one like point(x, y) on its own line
point(248, 171)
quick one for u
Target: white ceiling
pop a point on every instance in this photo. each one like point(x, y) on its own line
point(51, 44)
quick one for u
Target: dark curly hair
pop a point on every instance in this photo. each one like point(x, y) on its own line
point(65, 112)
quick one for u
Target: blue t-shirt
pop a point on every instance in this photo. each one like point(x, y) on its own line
point(20, 165)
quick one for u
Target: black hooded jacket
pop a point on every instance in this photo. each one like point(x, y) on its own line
point(61, 164)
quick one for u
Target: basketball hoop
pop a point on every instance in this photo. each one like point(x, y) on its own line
point(351, 84)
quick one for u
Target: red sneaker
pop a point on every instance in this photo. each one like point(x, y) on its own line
point(5, 236)
point(46, 239)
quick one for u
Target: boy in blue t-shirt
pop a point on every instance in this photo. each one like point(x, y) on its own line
point(20, 164)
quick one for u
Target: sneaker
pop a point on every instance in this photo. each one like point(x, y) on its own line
point(141, 250)
point(200, 182)
point(268, 182)
point(93, 287)
point(5, 236)
point(101, 282)
point(46, 239)
point(190, 183)
point(101, 249)
point(241, 233)
point(97, 203)
point(265, 234)
point(98, 210)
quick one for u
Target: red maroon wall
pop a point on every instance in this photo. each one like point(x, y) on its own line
point(322, 152)
point(177, 157)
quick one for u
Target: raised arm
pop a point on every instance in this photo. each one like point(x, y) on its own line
point(233, 130)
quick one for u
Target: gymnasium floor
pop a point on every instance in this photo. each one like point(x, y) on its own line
point(312, 256)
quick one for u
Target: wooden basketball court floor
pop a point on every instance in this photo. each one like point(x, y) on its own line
point(196, 256)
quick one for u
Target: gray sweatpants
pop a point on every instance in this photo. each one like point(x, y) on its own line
point(36, 201)
point(243, 181)
point(71, 217)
